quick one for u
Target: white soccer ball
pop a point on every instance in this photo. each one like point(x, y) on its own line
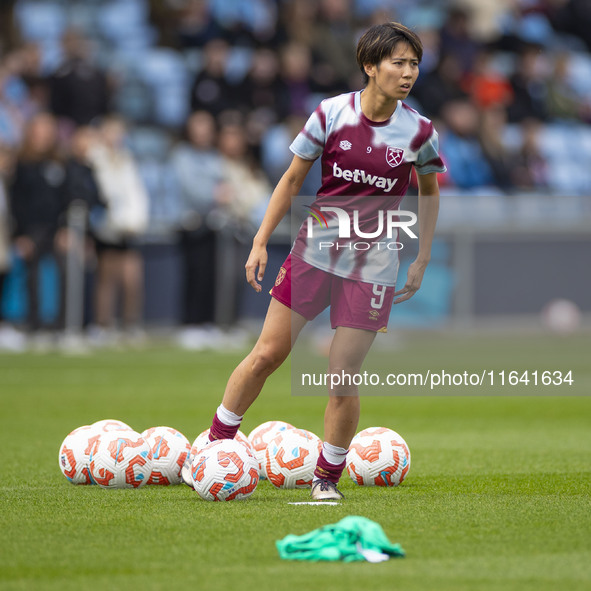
point(291, 457)
point(225, 470)
point(170, 448)
point(74, 454)
point(200, 442)
point(260, 437)
point(562, 316)
point(107, 425)
point(378, 457)
point(120, 459)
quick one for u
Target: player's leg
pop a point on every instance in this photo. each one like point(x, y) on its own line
point(347, 353)
point(358, 311)
point(298, 286)
point(280, 330)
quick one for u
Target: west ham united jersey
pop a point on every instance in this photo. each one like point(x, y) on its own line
point(352, 230)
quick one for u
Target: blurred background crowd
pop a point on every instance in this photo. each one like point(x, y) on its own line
point(169, 121)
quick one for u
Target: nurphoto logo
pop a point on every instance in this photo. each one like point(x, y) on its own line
point(388, 224)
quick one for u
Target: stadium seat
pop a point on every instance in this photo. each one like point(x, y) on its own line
point(40, 21)
point(149, 142)
point(165, 71)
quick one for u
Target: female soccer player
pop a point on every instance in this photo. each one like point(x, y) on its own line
point(368, 141)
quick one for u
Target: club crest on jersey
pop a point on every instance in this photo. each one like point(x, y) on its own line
point(394, 156)
point(345, 145)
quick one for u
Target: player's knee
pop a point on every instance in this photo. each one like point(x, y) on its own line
point(265, 360)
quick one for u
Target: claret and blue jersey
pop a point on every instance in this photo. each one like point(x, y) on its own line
point(366, 168)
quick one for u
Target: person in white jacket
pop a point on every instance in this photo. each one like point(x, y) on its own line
point(123, 220)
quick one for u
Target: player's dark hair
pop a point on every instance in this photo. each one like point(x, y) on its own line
point(379, 41)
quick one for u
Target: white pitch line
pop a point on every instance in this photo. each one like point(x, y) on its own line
point(318, 503)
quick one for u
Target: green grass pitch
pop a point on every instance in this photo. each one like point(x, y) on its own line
point(498, 496)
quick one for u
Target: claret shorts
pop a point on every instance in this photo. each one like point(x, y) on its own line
point(354, 304)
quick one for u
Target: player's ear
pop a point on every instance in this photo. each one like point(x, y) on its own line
point(370, 69)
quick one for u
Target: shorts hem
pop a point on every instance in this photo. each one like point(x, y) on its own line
point(291, 307)
point(376, 330)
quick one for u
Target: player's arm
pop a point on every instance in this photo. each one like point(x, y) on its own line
point(285, 191)
point(428, 211)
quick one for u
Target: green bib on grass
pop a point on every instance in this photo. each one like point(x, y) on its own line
point(352, 538)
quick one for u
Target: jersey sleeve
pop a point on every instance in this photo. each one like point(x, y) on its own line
point(428, 158)
point(310, 142)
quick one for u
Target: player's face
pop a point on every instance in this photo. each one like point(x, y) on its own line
point(395, 76)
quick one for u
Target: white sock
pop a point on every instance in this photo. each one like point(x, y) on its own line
point(333, 454)
point(228, 417)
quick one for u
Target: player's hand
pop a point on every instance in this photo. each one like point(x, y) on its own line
point(414, 279)
point(257, 259)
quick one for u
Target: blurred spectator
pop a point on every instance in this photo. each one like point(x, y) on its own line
point(10, 339)
point(298, 21)
point(487, 86)
point(564, 101)
point(211, 91)
point(262, 89)
point(296, 64)
point(196, 25)
point(264, 97)
point(456, 38)
point(13, 98)
point(26, 62)
point(333, 45)
point(441, 86)
point(124, 219)
point(8, 34)
point(530, 167)
point(4, 220)
point(247, 189)
point(572, 16)
point(79, 90)
point(80, 182)
point(38, 207)
point(466, 162)
point(275, 153)
point(500, 160)
point(530, 90)
point(197, 166)
point(243, 201)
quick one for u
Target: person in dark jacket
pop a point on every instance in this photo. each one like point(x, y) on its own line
point(79, 91)
point(38, 203)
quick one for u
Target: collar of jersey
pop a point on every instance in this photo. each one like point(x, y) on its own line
point(369, 121)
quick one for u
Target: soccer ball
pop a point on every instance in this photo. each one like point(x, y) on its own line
point(74, 453)
point(291, 457)
point(107, 425)
point(562, 316)
point(260, 437)
point(378, 457)
point(170, 448)
point(200, 442)
point(120, 459)
point(225, 470)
